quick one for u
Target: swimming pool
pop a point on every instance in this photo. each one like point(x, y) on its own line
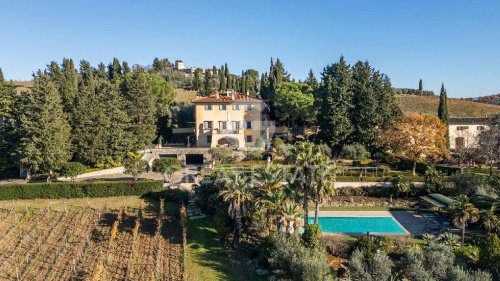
point(359, 225)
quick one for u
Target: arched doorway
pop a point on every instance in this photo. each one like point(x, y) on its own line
point(228, 142)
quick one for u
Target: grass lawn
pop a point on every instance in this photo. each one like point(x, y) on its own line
point(206, 258)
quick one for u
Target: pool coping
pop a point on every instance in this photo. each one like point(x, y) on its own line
point(372, 214)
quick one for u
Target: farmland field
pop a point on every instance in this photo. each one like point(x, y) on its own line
point(81, 243)
point(456, 107)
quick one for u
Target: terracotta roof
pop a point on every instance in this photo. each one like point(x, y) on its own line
point(468, 120)
point(224, 98)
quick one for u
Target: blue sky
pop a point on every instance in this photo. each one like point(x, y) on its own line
point(455, 42)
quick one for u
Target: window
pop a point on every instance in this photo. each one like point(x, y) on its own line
point(236, 125)
point(459, 143)
point(248, 125)
point(222, 107)
point(249, 138)
point(209, 139)
point(480, 128)
point(462, 128)
point(208, 125)
point(208, 107)
point(249, 106)
point(222, 125)
point(236, 107)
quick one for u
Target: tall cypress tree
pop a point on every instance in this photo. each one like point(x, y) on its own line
point(420, 85)
point(335, 95)
point(42, 128)
point(222, 80)
point(443, 112)
point(114, 69)
point(2, 79)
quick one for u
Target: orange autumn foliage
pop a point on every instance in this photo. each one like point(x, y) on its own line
point(417, 137)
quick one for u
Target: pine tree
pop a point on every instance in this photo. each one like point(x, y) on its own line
point(311, 80)
point(100, 72)
point(42, 128)
point(126, 68)
point(443, 112)
point(420, 85)
point(335, 97)
point(114, 69)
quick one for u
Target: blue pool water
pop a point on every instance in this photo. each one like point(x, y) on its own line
point(358, 224)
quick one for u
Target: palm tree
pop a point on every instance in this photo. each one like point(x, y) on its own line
point(323, 183)
point(290, 216)
point(488, 219)
point(305, 154)
point(270, 177)
point(237, 191)
point(449, 239)
point(463, 212)
point(271, 200)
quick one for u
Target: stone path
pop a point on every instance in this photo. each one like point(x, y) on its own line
point(193, 211)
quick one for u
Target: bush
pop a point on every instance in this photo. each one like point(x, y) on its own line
point(297, 262)
point(221, 154)
point(171, 195)
point(72, 169)
point(56, 190)
point(312, 236)
point(255, 155)
point(402, 185)
point(471, 184)
point(433, 179)
point(207, 196)
point(355, 152)
point(338, 246)
point(222, 223)
point(259, 143)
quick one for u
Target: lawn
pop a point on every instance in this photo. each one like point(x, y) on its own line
point(206, 258)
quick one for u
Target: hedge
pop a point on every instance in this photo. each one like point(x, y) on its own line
point(406, 164)
point(57, 190)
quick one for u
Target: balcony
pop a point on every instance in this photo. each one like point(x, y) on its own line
point(228, 132)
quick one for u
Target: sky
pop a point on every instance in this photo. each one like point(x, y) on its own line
point(454, 42)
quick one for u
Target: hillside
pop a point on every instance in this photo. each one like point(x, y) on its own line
point(456, 107)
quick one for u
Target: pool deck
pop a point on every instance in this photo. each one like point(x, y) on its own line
point(413, 223)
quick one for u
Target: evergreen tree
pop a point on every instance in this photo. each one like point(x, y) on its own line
point(42, 129)
point(335, 96)
point(197, 82)
point(243, 83)
point(443, 112)
point(126, 68)
point(100, 72)
point(207, 90)
point(2, 79)
point(311, 80)
point(420, 85)
point(114, 69)
point(68, 87)
point(222, 79)
point(141, 109)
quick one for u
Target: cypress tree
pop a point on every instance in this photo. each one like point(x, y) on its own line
point(222, 80)
point(197, 82)
point(206, 84)
point(42, 128)
point(443, 112)
point(2, 79)
point(420, 85)
point(125, 67)
point(335, 95)
point(114, 69)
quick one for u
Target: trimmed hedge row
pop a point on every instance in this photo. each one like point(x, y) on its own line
point(57, 190)
point(405, 164)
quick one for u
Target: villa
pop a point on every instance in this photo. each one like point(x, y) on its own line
point(231, 119)
point(464, 132)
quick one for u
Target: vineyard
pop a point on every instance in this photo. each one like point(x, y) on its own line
point(456, 107)
point(87, 244)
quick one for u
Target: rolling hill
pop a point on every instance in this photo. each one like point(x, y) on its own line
point(456, 107)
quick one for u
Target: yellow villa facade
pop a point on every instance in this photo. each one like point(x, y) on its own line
point(231, 119)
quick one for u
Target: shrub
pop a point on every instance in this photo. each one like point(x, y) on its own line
point(221, 154)
point(471, 184)
point(72, 169)
point(297, 262)
point(255, 155)
point(355, 152)
point(222, 223)
point(402, 185)
point(338, 246)
point(259, 143)
point(490, 254)
point(378, 267)
point(433, 179)
point(58, 190)
point(166, 166)
point(207, 196)
point(312, 236)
